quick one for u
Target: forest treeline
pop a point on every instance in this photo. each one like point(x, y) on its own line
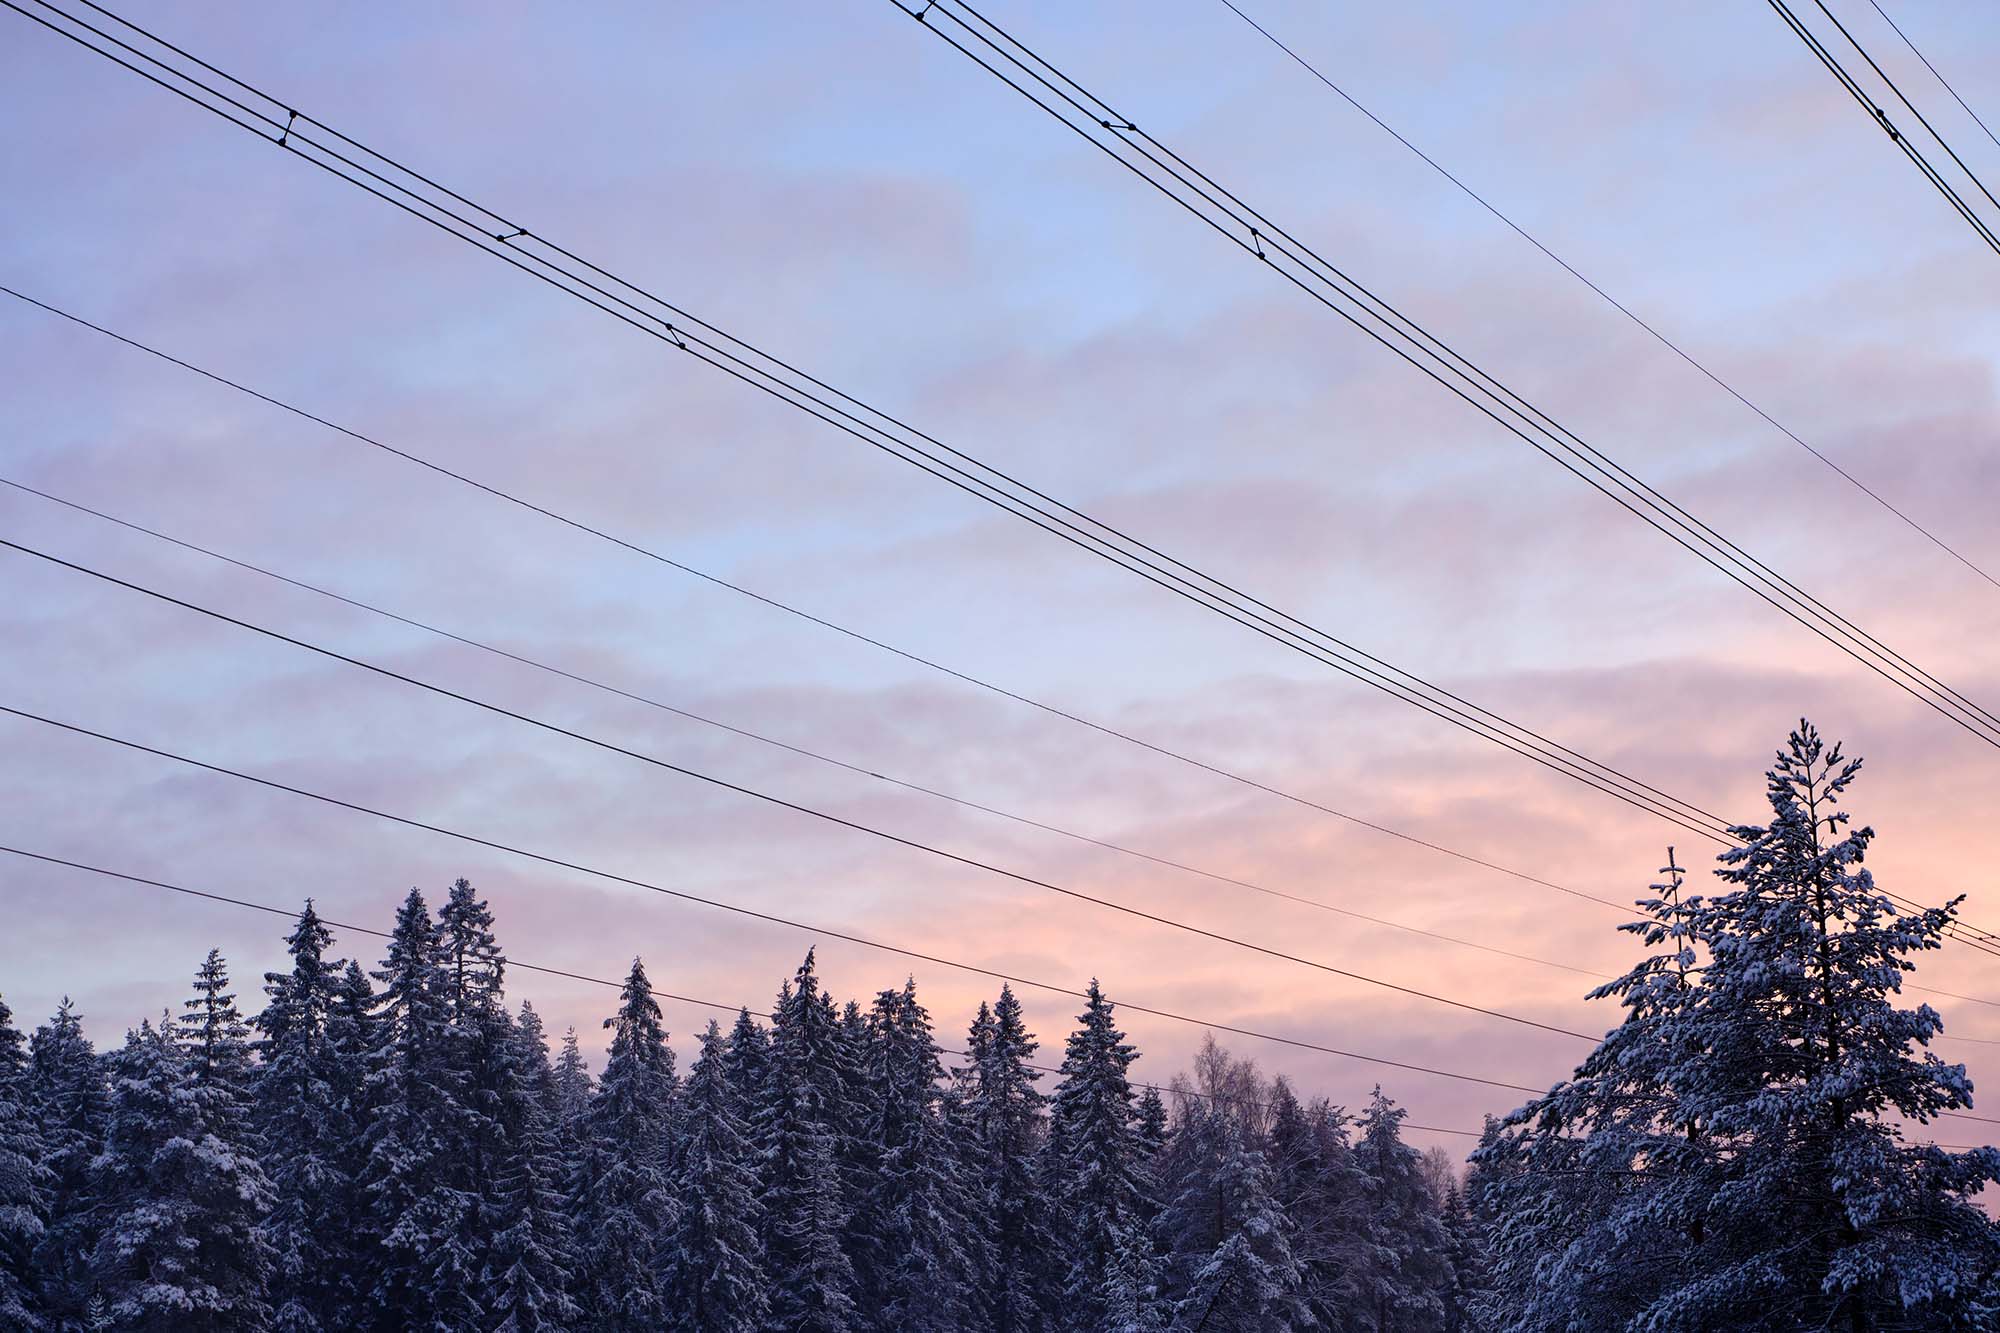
point(395, 1149)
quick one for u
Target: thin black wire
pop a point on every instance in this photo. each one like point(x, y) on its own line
point(291, 137)
point(794, 806)
point(1613, 301)
point(1934, 73)
point(1251, 232)
point(1881, 118)
point(714, 580)
point(511, 961)
point(1445, 705)
point(1929, 129)
point(785, 746)
point(735, 909)
point(773, 603)
point(804, 752)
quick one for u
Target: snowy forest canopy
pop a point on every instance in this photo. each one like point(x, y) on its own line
point(396, 1149)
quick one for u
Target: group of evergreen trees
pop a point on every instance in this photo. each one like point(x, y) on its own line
point(397, 1151)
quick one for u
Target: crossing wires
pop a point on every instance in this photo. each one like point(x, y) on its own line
point(1123, 141)
point(1981, 221)
point(1650, 329)
point(499, 235)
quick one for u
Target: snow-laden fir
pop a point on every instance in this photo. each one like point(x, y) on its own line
point(395, 1149)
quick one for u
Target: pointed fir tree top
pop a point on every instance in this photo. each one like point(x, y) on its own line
point(212, 1033)
point(471, 952)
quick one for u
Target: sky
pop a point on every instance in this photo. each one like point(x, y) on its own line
point(833, 184)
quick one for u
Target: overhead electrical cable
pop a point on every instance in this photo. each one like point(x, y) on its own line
point(772, 918)
point(773, 603)
point(786, 746)
point(510, 960)
point(531, 254)
point(1614, 302)
point(1960, 930)
point(1942, 81)
point(491, 232)
point(1119, 138)
point(796, 807)
point(1880, 115)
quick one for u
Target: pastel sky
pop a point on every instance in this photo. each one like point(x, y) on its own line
point(833, 184)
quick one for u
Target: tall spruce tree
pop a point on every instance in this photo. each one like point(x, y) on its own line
point(418, 1212)
point(623, 1206)
point(1231, 1262)
point(25, 1184)
point(746, 1066)
point(715, 1278)
point(301, 1111)
point(1747, 1109)
point(1097, 1176)
point(1323, 1194)
point(531, 1260)
point(66, 1083)
point(181, 1193)
point(799, 1133)
point(918, 1206)
point(1407, 1274)
point(1008, 1119)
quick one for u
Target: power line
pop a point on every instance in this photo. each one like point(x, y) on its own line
point(1881, 118)
point(423, 198)
point(1910, 106)
point(786, 746)
point(796, 807)
point(1119, 138)
point(1934, 73)
point(511, 961)
point(1613, 301)
point(773, 603)
point(1960, 930)
point(293, 132)
point(735, 909)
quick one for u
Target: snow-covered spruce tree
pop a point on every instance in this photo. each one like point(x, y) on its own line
point(24, 1185)
point(622, 1202)
point(530, 1264)
point(300, 1110)
point(417, 1213)
point(181, 1195)
point(574, 1086)
point(516, 1239)
point(1323, 1194)
point(1407, 1270)
point(918, 1207)
point(212, 1035)
point(66, 1085)
point(1096, 1176)
point(812, 1278)
point(1229, 1245)
point(746, 1067)
point(1008, 1119)
point(714, 1269)
point(856, 1105)
point(1733, 1133)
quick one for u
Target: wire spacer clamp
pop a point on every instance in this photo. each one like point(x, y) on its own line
point(284, 136)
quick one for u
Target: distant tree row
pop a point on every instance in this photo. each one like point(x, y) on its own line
point(396, 1150)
